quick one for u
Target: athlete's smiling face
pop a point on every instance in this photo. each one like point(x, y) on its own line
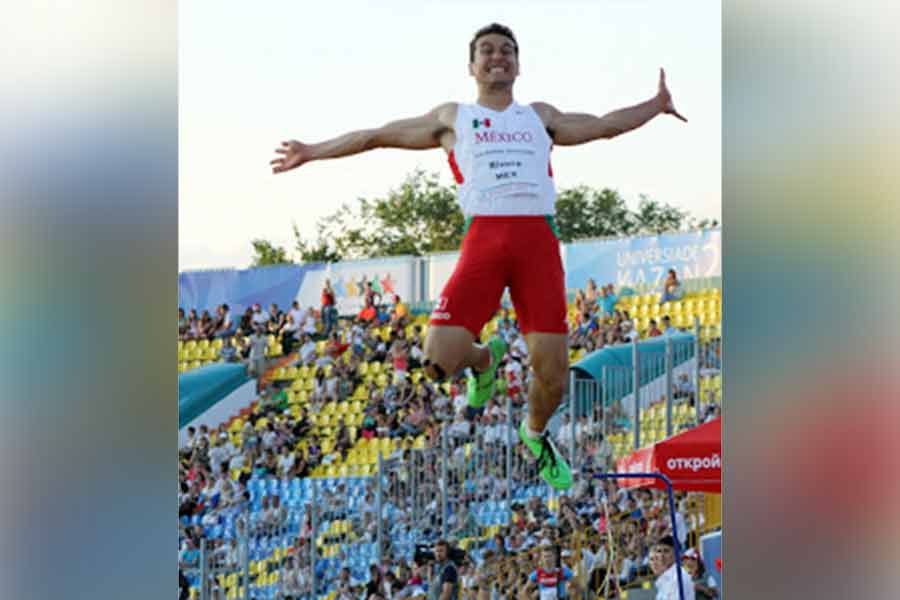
point(496, 60)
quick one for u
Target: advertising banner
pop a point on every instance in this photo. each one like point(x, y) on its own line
point(636, 261)
point(388, 276)
point(204, 290)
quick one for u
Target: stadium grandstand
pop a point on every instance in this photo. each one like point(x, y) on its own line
point(338, 467)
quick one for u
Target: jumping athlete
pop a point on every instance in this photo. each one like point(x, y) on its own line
point(499, 153)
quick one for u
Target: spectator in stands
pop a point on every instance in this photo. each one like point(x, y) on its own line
point(654, 329)
point(608, 300)
point(307, 352)
point(592, 297)
point(668, 329)
point(296, 312)
point(551, 579)
point(289, 333)
point(671, 288)
point(293, 580)
point(259, 317)
point(183, 324)
point(301, 466)
point(328, 308)
point(314, 451)
point(228, 352)
point(705, 586)
point(399, 313)
point(279, 514)
point(375, 585)
point(399, 354)
point(277, 318)
point(444, 583)
point(662, 564)
point(309, 323)
point(256, 365)
point(204, 327)
point(246, 322)
point(335, 347)
point(224, 324)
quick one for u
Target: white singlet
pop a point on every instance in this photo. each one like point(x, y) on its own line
point(501, 161)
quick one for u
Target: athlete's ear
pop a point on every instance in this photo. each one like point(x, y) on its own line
point(472, 69)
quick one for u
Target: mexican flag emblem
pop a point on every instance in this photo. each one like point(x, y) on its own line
point(482, 123)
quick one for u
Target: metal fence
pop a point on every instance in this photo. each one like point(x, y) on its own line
point(292, 538)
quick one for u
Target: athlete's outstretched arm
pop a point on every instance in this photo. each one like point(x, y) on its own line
point(419, 133)
point(569, 129)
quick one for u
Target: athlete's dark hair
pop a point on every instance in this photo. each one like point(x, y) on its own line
point(492, 28)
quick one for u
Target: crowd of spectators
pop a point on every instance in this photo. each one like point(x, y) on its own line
point(592, 520)
point(598, 323)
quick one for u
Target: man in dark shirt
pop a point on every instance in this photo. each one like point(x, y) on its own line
point(444, 578)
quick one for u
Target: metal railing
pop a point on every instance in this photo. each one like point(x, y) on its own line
point(463, 487)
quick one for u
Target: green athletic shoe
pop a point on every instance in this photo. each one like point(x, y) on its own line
point(554, 469)
point(480, 386)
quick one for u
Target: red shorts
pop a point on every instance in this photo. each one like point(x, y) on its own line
point(521, 253)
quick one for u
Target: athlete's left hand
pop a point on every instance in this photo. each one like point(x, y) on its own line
point(665, 98)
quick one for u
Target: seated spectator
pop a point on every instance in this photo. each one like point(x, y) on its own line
point(654, 329)
point(705, 586)
point(309, 322)
point(314, 452)
point(246, 322)
point(276, 319)
point(335, 348)
point(629, 333)
point(285, 462)
point(671, 288)
point(204, 327)
point(183, 324)
point(667, 328)
point(229, 353)
point(343, 441)
point(259, 317)
point(608, 300)
point(225, 326)
point(289, 333)
point(307, 352)
point(399, 354)
point(399, 313)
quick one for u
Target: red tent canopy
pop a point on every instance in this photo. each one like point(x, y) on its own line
point(691, 460)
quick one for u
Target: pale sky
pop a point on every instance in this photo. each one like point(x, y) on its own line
point(254, 74)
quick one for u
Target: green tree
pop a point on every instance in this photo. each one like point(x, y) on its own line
point(265, 253)
point(655, 217)
point(419, 217)
point(422, 216)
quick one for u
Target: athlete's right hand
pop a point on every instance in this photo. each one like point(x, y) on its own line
point(294, 154)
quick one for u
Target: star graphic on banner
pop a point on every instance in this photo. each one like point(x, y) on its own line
point(376, 285)
point(387, 284)
point(352, 288)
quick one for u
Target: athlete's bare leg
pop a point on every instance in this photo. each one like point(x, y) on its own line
point(549, 355)
point(450, 349)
